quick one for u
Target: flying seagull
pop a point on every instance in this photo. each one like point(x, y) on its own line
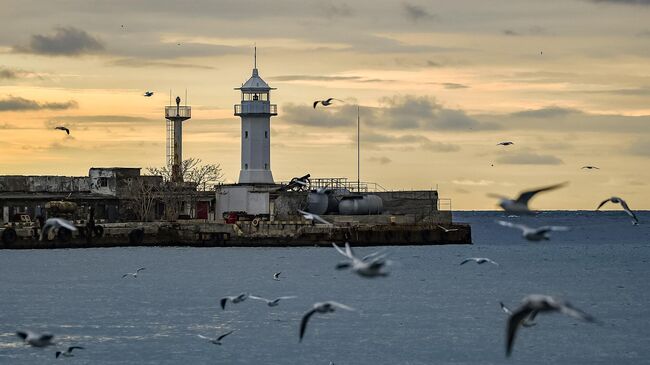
point(325, 307)
point(36, 340)
point(589, 167)
point(534, 234)
point(216, 341)
point(478, 260)
point(626, 208)
point(326, 102)
point(447, 230)
point(528, 322)
point(55, 223)
point(68, 352)
point(539, 303)
point(369, 266)
point(134, 274)
point(148, 94)
point(272, 303)
point(520, 205)
point(506, 143)
point(313, 217)
point(276, 276)
point(235, 299)
point(62, 128)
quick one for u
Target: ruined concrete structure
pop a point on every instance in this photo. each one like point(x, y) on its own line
point(104, 189)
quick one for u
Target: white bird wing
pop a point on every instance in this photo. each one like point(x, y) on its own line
point(64, 223)
point(140, 269)
point(205, 338)
point(505, 309)
point(287, 297)
point(342, 306)
point(259, 298)
point(527, 195)
point(321, 220)
point(627, 210)
point(338, 249)
point(513, 225)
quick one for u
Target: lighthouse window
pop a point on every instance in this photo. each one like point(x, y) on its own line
point(255, 97)
point(266, 166)
point(245, 166)
point(266, 134)
point(246, 134)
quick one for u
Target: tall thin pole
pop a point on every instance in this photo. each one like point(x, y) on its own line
point(358, 152)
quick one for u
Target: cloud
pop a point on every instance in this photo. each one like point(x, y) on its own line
point(452, 85)
point(546, 112)
point(469, 182)
point(623, 2)
point(510, 32)
point(431, 63)
point(141, 63)
point(382, 160)
point(66, 41)
point(406, 142)
point(416, 12)
point(12, 74)
point(98, 120)
point(16, 103)
point(337, 10)
point(640, 147)
point(528, 158)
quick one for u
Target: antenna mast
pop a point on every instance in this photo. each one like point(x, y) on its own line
point(358, 152)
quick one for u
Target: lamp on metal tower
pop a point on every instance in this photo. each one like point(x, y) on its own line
point(176, 115)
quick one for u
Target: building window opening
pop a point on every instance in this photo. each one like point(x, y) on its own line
point(266, 134)
point(246, 134)
point(256, 97)
point(266, 166)
point(103, 182)
point(245, 166)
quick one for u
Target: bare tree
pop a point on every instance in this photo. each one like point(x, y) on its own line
point(204, 176)
point(142, 197)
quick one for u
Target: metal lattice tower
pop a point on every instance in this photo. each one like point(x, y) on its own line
point(176, 115)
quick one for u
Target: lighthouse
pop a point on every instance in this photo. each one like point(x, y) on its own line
point(255, 111)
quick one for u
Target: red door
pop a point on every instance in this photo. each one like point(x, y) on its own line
point(202, 209)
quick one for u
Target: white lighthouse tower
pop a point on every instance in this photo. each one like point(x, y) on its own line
point(255, 111)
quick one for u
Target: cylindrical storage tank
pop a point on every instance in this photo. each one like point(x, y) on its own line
point(317, 203)
point(365, 205)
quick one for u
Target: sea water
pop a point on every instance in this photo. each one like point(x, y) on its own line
point(429, 310)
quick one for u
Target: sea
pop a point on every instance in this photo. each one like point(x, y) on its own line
point(429, 310)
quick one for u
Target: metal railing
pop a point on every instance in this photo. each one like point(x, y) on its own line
point(178, 112)
point(444, 204)
point(256, 108)
point(342, 183)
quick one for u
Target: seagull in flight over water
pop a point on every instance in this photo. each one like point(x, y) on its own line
point(478, 260)
point(276, 276)
point(134, 274)
point(447, 230)
point(520, 205)
point(234, 299)
point(369, 266)
point(274, 302)
point(324, 307)
point(34, 339)
point(326, 102)
point(534, 234)
point(68, 352)
point(537, 303)
point(62, 128)
point(313, 217)
point(216, 341)
point(626, 208)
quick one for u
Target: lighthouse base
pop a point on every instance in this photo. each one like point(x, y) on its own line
point(255, 177)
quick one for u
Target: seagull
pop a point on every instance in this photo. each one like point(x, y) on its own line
point(216, 341)
point(539, 303)
point(528, 322)
point(271, 303)
point(534, 234)
point(326, 102)
point(56, 223)
point(626, 208)
point(325, 307)
point(369, 266)
point(34, 339)
point(478, 260)
point(313, 217)
point(276, 276)
point(236, 299)
point(134, 274)
point(148, 94)
point(520, 205)
point(447, 230)
point(68, 352)
point(589, 167)
point(62, 128)
point(506, 143)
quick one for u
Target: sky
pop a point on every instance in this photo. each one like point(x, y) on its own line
point(438, 85)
